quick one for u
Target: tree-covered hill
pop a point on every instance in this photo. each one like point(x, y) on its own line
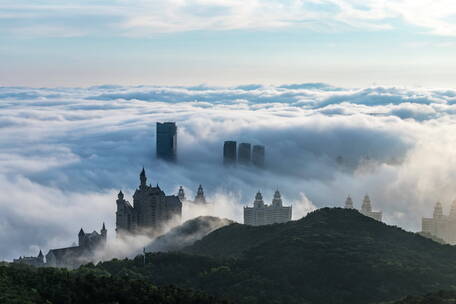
point(22, 284)
point(440, 297)
point(330, 256)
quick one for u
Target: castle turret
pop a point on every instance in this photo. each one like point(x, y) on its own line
point(181, 194)
point(81, 235)
point(104, 232)
point(258, 203)
point(438, 211)
point(143, 179)
point(120, 196)
point(349, 203)
point(200, 198)
point(40, 257)
point(366, 207)
point(453, 210)
point(277, 200)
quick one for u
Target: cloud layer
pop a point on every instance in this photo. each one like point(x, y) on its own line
point(142, 18)
point(65, 152)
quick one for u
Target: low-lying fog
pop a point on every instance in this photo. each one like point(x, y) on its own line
point(66, 152)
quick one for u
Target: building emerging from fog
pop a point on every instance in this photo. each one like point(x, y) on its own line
point(166, 141)
point(258, 156)
point(200, 198)
point(263, 214)
point(71, 257)
point(366, 208)
point(37, 261)
point(244, 153)
point(441, 226)
point(151, 209)
point(229, 153)
point(74, 256)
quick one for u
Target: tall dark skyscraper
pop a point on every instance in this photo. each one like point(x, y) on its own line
point(167, 141)
point(244, 153)
point(229, 153)
point(258, 156)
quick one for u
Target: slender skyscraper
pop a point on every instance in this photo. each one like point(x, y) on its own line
point(229, 153)
point(244, 153)
point(258, 156)
point(167, 140)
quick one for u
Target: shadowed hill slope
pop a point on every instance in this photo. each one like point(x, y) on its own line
point(330, 256)
point(187, 233)
point(336, 256)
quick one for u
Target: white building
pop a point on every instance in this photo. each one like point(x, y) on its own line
point(262, 214)
point(366, 208)
point(440, 225)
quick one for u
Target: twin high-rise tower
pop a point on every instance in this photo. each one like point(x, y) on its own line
point(244, 154)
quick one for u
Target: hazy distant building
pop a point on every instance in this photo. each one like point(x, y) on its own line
point(75, 256)
point(37, 261)
point(441, 226)
point(258, 156)
point(181, 194)
point(366, 208)
point(349, 203)
point(244, 153)
point(167, 141)
point(151, 209)
point(263, 214)
point(200, 198)
point(229, 153)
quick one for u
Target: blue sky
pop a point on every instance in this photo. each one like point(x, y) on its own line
point(227, 42)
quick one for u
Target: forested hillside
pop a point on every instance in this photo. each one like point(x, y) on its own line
point(21, 284)
point(330, 256)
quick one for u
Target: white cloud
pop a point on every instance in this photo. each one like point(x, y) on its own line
point(65, 152)
point(139, 17)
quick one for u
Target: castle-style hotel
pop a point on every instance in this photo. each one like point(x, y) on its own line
point(263, 214)
point(441, 227)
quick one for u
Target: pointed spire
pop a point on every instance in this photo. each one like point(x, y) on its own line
point(258, 203)
point(366, 207)
point(104, 227)
point(40, 255)
point(438, 210)
point(258, 196)
point(200, 198)
point(81, 232)
point(349, 202)
point(120, 195)
point(277, 200)
point(181, 194)
point(453, 209)
point(143, 178)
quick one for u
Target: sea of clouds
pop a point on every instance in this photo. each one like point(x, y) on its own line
point(66, 152)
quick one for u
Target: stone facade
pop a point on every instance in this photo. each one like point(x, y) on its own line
point(71, 257)
point(37, 261)
point(441, 226)
point(263, 214)
point(366, 208)
point(151, 209)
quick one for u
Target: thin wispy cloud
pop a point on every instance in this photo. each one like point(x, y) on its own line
point(142, 18)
